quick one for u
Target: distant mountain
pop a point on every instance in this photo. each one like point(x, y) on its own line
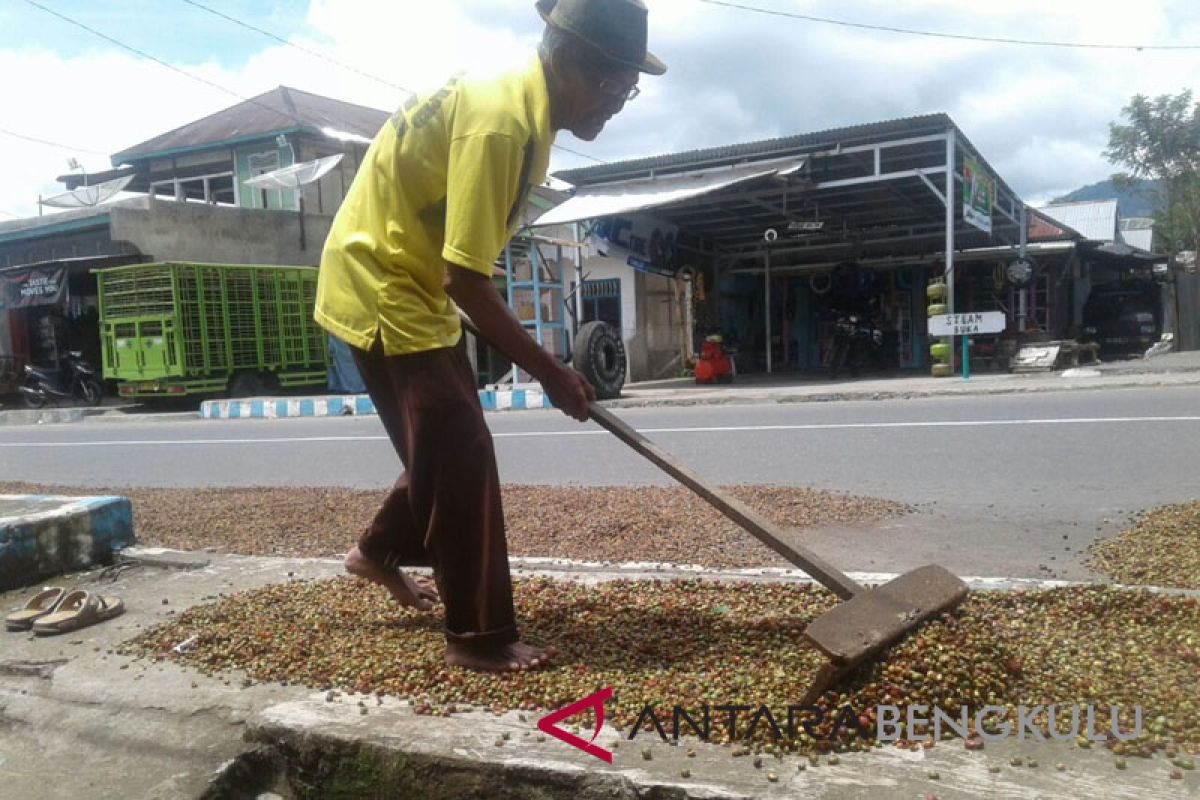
point(1136, 202)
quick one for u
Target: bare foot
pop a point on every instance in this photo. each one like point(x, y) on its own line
point(404, 590)
point(515, 657)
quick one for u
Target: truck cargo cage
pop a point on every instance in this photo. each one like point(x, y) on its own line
point(183, 328)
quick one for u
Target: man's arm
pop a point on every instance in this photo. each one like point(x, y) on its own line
point(474, 294)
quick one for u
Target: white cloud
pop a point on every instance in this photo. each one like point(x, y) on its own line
point(1039, 115)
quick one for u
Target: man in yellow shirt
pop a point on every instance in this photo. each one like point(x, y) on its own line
point(437, 197)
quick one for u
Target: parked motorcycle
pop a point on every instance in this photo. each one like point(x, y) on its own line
point(856, 343)
point(73, 378)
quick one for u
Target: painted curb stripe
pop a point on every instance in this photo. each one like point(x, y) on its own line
point(357, 405)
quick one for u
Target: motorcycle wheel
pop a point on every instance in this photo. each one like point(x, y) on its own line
point(34, 399)
point(839, 360)
point(91, 393)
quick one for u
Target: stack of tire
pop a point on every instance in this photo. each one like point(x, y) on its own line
point(941, 352)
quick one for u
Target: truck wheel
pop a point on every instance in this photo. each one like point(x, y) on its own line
point(246, 384)
point(599, 355)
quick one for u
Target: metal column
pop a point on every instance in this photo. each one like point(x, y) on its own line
point(767, 314)
point(1023, 292)
point(578, 293)
point(951, 154)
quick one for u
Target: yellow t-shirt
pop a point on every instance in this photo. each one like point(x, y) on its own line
point(444, 180)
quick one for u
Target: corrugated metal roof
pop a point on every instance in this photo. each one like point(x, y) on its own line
point(1141, 239)
point(275, 111)
point(893, 209)
point(1138, 232)
point(631, 196)
point(1096, 220)
point(765, 148)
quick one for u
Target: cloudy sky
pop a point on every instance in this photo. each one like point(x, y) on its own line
point(1039, 114)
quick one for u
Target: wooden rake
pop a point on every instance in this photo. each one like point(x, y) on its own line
point(867, 620)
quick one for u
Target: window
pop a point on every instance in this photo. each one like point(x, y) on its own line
point(602, 301)
point(258, 163)
point(215, 189)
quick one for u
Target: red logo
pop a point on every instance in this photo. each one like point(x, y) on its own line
point(547, 724)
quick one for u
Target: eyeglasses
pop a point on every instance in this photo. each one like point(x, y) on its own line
point(617, 89)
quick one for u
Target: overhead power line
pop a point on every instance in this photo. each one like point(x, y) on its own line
point(942, 35)
point(159, 61)
point(349, 67)
point(225, 89)
point(301, 48)
point(49, 143)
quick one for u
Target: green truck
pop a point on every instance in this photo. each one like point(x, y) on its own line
point(174, 329)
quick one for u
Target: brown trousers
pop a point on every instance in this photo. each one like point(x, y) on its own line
point(445, 510)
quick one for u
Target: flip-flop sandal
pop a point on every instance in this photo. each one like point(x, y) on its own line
point(78, 610)
point(41, 604)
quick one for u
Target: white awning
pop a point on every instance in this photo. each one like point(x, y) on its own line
point(593, 202)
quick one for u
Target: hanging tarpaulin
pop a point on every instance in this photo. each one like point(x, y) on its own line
point(37, 286)
point(979, 195)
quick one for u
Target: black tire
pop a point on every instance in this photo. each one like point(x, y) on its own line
point(599, 355)
point(33, 400)
point(92, 393)
point(839, 360)
point(246, 384)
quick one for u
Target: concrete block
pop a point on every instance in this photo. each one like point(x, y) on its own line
point(42, 536)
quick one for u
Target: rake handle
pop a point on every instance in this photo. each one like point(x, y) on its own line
point(766, 532)
point(828, 575)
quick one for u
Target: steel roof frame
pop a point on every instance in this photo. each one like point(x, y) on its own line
point(886, 202)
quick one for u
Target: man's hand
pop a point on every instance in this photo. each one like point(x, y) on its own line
point(474, 294)
point(569, 392)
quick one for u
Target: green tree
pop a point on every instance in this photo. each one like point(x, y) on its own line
point(1159, 139)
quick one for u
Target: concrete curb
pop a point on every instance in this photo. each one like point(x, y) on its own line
point(42, 536)
point(356, 405)
point(532, 397)
point(599, 572)
point(41, 416)
point(593, 572)
point(783, 396)
point(279, 408)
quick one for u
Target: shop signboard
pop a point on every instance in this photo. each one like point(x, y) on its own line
point(647, 243)
point(979, 195)
point(967, 324)
point(37, 286)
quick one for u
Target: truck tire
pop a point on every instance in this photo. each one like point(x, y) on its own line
point(246, 384)
point(599, 355)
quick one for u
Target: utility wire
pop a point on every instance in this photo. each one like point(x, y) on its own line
point(301, 48)
point(939, 35)
point(351, 68)
point(225, 89)
point(159, 61)
point(49, 143)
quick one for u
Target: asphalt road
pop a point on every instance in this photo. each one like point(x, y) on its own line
point(1006, 484)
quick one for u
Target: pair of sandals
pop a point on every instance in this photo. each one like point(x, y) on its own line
point(54, 610)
